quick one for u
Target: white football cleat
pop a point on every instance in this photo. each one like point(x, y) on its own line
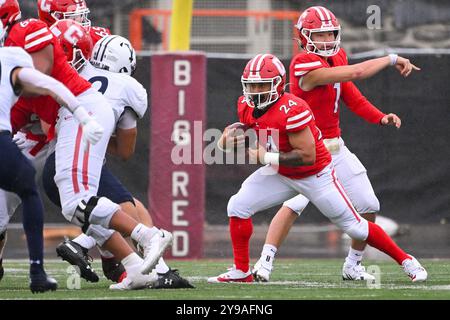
point(261, 271)
point(232, 275)
point(136, 281)
point(155, 249)
point(414, 270)
point(355, 272)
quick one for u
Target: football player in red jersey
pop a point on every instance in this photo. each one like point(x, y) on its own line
point(51, 11)
point(296, 161)
point(320, 75)
point(79, 163)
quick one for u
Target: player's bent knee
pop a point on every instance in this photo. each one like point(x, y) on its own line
point(102, 212)
point(237, 208)
point(358, 230)
point(100, 234)
point(97, 211)
point(296, 205)
point(369, 204)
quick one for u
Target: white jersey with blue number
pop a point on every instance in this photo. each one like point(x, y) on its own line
point(10, 59)
point(119, 89)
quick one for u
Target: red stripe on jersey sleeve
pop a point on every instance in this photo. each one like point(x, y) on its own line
point(303, 63)
point(299, 121)
point(39, 41)
point(32, 35)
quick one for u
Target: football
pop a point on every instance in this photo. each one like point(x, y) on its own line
point(241, 128)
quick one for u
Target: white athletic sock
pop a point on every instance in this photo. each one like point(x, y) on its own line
point(142, 233)
point(162, 267)
point(132, 262)
point(268, 254)
point(85, 241)
point(354, 256)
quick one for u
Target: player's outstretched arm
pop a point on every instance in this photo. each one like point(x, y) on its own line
point(357, 71)
point(33, 82)
point(405, 67)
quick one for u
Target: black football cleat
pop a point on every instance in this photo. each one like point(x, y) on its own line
point(171, 280)
point(113, 270)
point(40, 282)
point(76, 255)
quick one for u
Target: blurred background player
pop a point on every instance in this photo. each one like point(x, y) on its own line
point(115, 62)
point(296, 161)
point(320, 75)
point(78, 172)
point(17, 173)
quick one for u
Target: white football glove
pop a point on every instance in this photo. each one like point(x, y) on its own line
point(20, 139)
point(92, 130)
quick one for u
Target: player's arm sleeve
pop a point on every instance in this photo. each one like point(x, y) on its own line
point(299, 67)
point(137, 98)
point(128, 119)
point(298, 120)
point(37, 36)
point(359, 104)
point(35, 82)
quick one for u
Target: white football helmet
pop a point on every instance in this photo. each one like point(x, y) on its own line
point(114, 53)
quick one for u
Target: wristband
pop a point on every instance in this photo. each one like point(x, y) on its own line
point(393, 58)
point(272, 158)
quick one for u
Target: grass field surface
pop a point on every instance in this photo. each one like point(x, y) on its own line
point(292, 279)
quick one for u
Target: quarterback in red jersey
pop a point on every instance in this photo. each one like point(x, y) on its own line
point(320, 75)
point(298, 163)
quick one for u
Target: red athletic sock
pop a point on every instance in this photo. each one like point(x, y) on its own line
point(379, 239)
point(241, 230)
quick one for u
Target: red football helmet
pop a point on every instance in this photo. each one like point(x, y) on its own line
point(9, 13)
point(263, 69)
point(51, 11)
point(75, 40)
point(319, 19)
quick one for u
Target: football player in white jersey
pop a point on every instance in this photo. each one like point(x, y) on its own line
point(115, 62)
point(18, 76)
